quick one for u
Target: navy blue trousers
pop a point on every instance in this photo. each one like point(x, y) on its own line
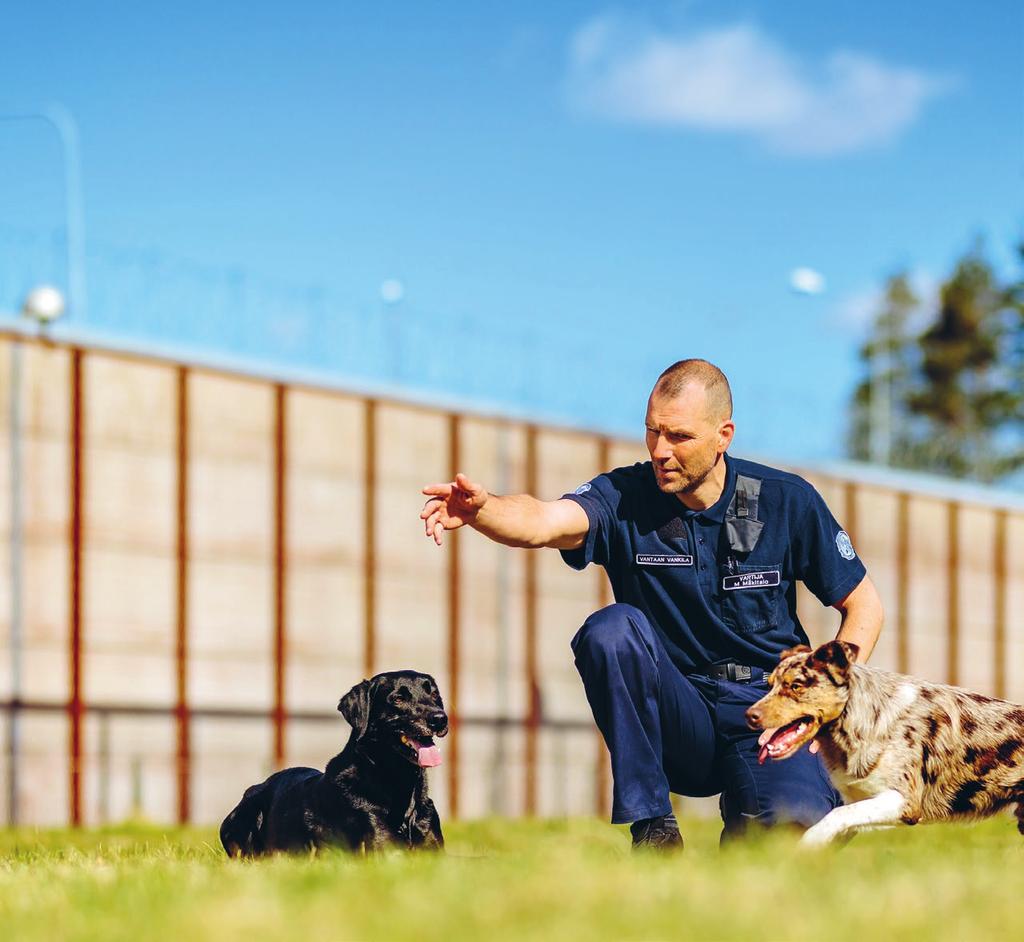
point(671, 732)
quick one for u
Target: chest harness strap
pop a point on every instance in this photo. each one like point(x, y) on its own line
point(742, 528)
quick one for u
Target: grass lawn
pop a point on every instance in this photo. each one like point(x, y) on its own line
point(571, 880)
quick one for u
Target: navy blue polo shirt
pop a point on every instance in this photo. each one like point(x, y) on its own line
point(708, 602)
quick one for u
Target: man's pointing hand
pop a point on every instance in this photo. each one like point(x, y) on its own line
point(451, 505)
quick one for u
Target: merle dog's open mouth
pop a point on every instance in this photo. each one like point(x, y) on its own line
point(787, 739)
point(422, 751)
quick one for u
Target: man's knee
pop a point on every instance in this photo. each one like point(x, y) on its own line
point(610, 631)
point(802, 798)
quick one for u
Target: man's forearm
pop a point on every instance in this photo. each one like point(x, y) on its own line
point(863, 615)
point(513, 520)
point(860, 633)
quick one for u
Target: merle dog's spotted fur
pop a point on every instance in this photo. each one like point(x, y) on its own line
point(372, 795)
point(933, 752)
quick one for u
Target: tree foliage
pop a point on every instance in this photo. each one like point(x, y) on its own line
point(943, 389)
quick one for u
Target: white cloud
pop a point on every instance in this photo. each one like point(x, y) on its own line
point(738, 79)
point(857, 312)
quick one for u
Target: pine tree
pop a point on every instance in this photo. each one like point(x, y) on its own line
point(951, 399)
point(961, 396)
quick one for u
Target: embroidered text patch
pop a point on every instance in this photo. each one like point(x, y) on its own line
point(752, 580)
point(643, 560)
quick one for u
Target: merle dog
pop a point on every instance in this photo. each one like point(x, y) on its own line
point(373, 794)
point(901, 750)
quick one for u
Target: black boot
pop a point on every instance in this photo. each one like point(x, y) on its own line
point(660, 833)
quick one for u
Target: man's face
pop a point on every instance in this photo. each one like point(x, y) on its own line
point(684, 441)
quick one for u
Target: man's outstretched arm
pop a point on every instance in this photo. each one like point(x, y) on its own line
point(516, 520)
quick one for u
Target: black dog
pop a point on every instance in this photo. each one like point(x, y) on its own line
point(372, 795)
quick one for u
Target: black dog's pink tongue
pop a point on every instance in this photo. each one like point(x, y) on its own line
point(428, 756)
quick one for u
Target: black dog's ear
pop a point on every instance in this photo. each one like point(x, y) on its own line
point(355, 707)
point(836, 657)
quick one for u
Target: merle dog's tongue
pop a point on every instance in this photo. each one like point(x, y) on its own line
point(428, 756)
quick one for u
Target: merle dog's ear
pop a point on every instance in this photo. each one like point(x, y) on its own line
point(355, 707)
point(852, 650)
point(799, 649)
point(836, 657)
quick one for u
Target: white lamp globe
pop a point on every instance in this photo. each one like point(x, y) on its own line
point(806, 281)
point(43, 304)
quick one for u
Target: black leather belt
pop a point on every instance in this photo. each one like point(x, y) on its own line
point(737, 673)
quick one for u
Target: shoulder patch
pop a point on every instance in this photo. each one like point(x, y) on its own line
point(582, 489)
point(845, 545)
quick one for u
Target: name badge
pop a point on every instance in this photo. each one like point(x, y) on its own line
point(752, 580)
point(642, 560)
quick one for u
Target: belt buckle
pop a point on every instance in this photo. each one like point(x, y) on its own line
point(737, 673)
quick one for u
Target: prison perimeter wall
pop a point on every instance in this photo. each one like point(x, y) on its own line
point(196, 564)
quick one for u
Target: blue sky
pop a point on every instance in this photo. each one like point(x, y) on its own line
point(571, 195)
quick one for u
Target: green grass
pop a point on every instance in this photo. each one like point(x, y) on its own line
point(571, 880)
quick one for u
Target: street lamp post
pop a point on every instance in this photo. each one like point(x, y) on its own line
point(392, 292)
point(880, 408)
point(62, 121)
point(42, 305)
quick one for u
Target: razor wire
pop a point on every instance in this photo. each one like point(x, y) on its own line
point(557, 370)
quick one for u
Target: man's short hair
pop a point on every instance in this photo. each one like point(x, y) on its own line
point(710, 377)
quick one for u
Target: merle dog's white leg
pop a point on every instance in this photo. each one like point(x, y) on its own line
point(884, 809)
